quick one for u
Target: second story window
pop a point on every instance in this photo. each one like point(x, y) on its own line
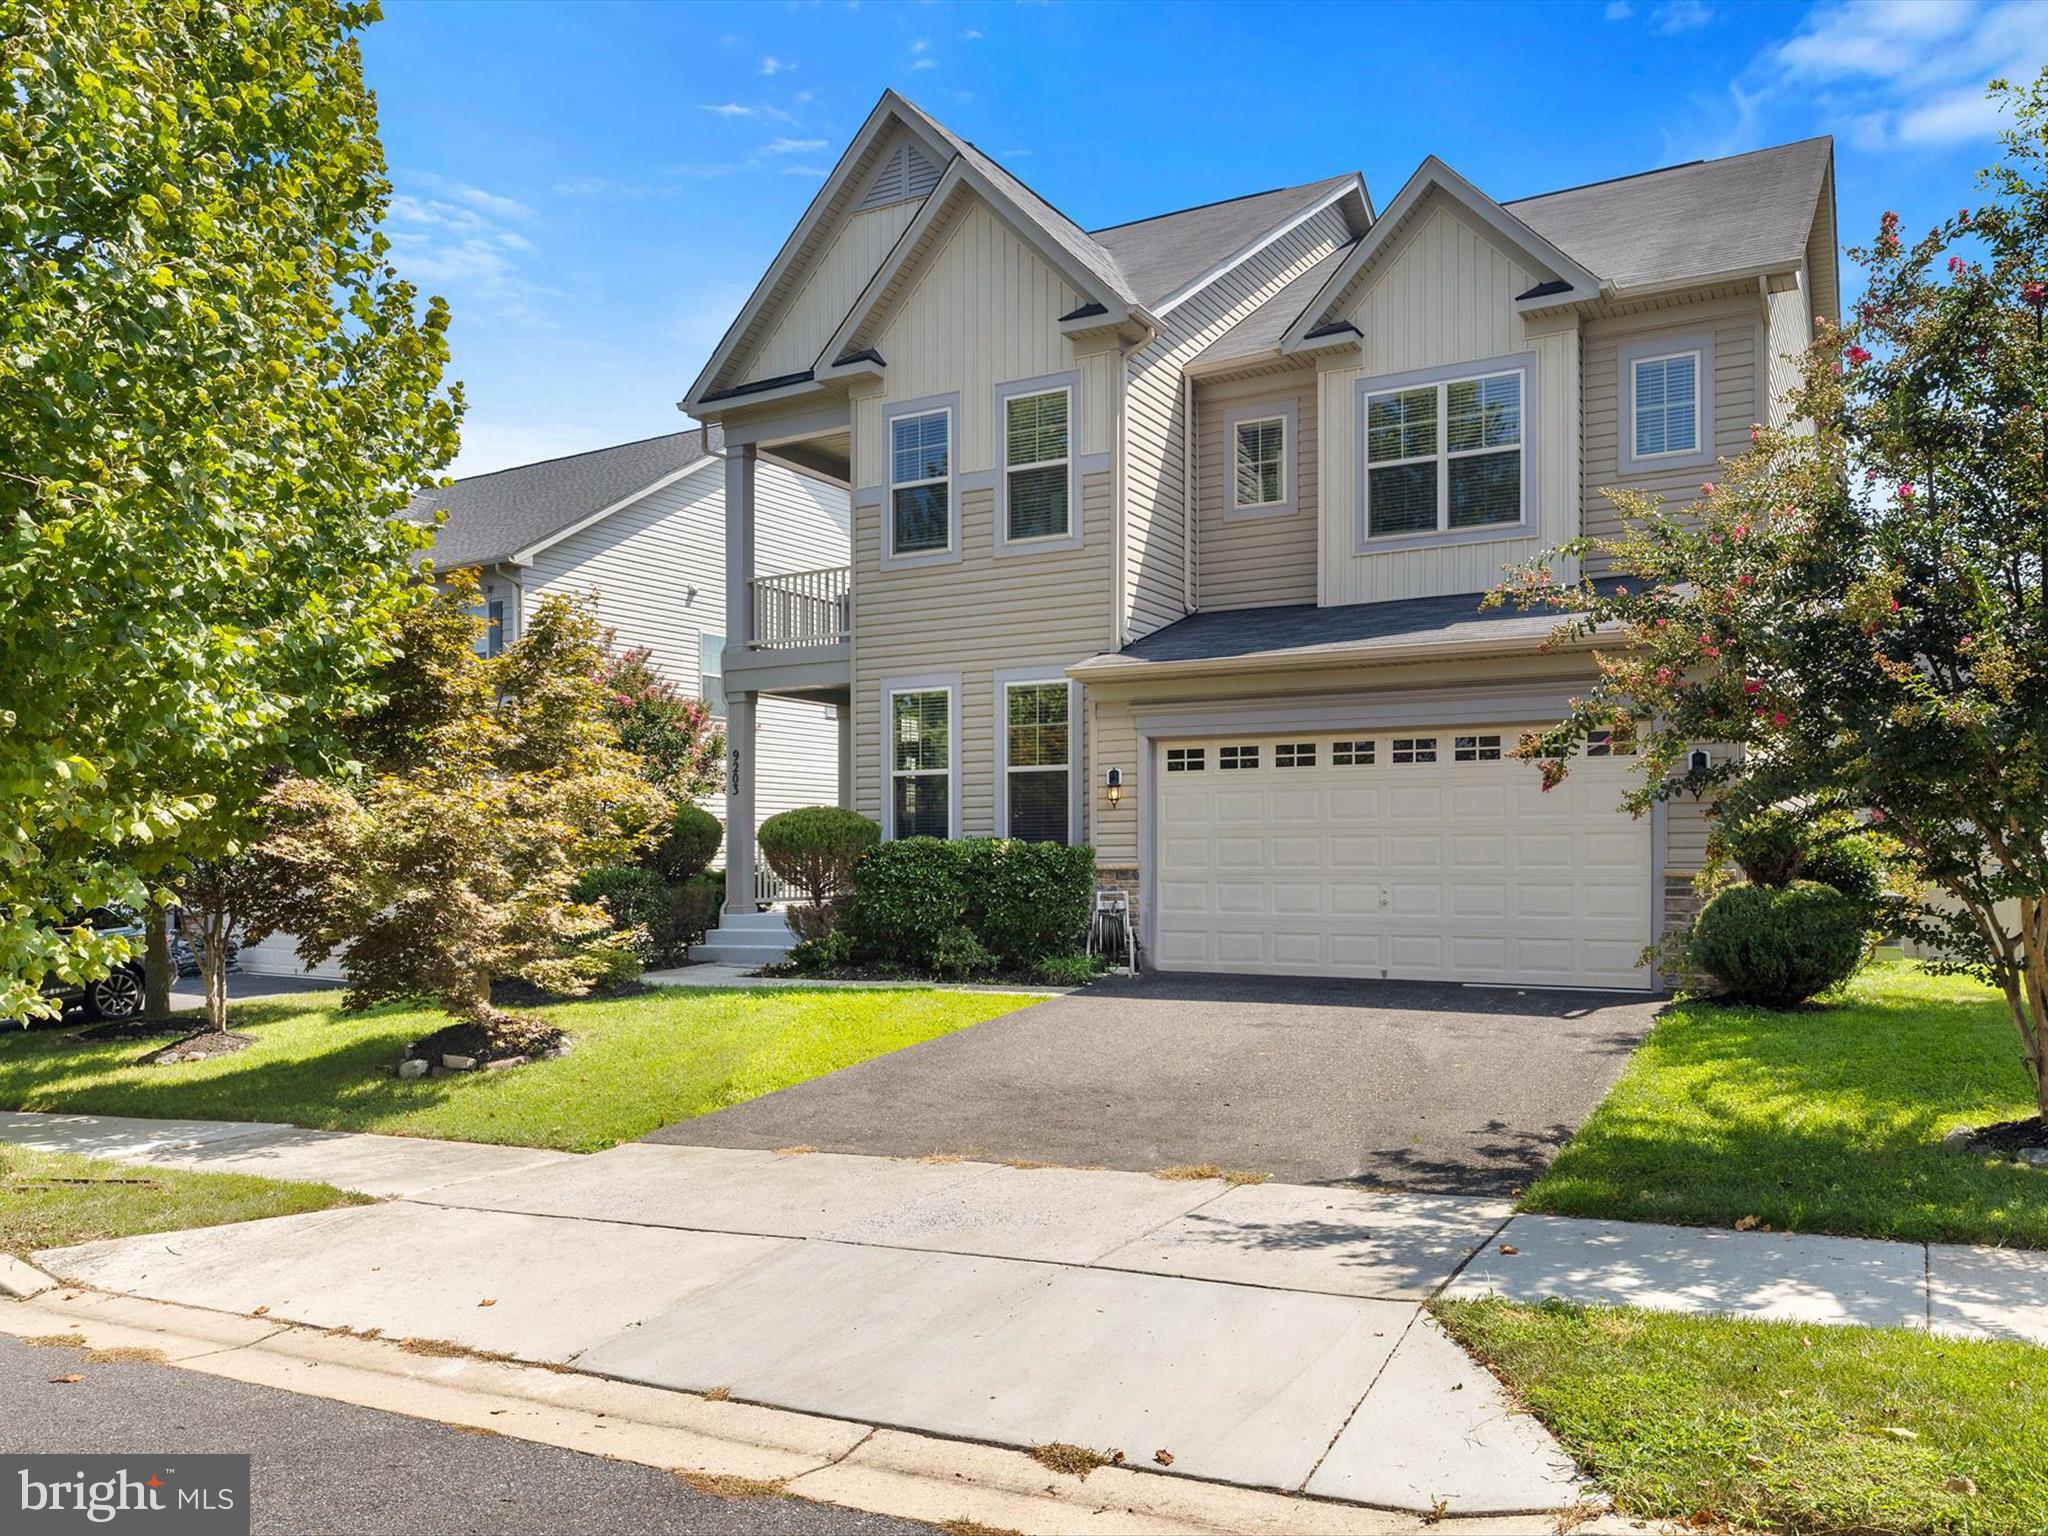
point(920, 483)
point(1260, 476)
point(1444, 457)
point(1666, 391)
point(1036, 456)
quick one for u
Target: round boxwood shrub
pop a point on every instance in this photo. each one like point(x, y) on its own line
point(815, 848)
point(908, 898)
point(1779, 945)
point(687, 848)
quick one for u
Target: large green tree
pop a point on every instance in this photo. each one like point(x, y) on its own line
point(1856, 612)
point(215, 394)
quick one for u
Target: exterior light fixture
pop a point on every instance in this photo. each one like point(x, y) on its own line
point(1115, 789)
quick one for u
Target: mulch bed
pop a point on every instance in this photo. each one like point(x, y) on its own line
point(2007, 1139)
point(129, 1029)
point(511, 994)
point(197, 1047)
point(509, 1042)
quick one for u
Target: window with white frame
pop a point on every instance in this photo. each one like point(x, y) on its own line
point(1614, 743)
point(1444, 457)
point(1038, 765)
point(1294, 754)
point(711, 673)
point(1037, 457)
point(1186, 759)
point(1237, 757)
point(1414, 749)
point(1351, 754)
point(921, 483)
point(1475, 749)
point(921, 763)
point(1259, 478)
point(490, 640)
point(1666, 395)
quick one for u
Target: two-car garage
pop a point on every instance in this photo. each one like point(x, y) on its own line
point(1419, 853)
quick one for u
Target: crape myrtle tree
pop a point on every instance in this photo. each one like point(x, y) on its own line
point(1857, 609)
point(490, 784)
point(215, 393)
point(674, 736)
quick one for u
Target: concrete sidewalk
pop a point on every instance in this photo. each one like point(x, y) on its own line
point(1270, 1336)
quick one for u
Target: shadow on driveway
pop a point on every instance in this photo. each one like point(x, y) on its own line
point(1409, 1085)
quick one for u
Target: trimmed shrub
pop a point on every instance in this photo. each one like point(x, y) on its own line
point(1779, 945)
point(907, 897)
point(828, 952)
point(1858, 864)
point(959, 956)
point(1019, 903)
point(696, 907)
point(1032, 900)
point(1770, 845)
point(816, 847)
point(636, 898)
point(688, 847)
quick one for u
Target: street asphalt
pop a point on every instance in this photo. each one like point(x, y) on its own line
point(329, 1469)
point(1406, 1085)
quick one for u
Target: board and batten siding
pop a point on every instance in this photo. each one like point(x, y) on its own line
point(834, 281)
point(1157, 572)
point(976, 618)
point(1268, 558)
point(1736, 326)
point(1443, 295)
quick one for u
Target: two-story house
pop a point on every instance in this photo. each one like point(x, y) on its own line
point(1170, 537)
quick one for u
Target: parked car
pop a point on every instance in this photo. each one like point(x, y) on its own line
point(116, 995)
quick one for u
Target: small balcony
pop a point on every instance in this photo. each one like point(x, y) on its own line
point(800, 609)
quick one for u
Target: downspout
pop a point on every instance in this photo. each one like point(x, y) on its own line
point(1190, 514)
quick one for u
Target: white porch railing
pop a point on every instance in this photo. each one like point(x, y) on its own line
point(769, 887)
point(803, 608)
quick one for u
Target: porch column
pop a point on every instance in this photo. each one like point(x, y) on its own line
point(741, 462)
point(739, 804)
point(845, 713)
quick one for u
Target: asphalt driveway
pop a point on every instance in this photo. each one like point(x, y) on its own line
point(1453, 1090)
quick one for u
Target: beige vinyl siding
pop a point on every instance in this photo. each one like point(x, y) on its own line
point(1260, 561)
point(835, 280)
point(982, 310)
point(1821, 285)
point(1787, 334)
point(1442, 294)
point(1157, 571)
point(1736, 328)
point(980, 616)
point(1686, 824)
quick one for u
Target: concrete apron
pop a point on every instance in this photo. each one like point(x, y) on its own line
point(1264, 1336)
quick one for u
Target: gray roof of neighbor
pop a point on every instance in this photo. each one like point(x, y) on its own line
point(1261, 330)
point(492, 517)
point(1302, 629)
point(1694, 220)
point(1163, 254)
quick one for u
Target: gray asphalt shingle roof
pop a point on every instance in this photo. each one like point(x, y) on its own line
point(492, 517)
point(1694, 220)
point(1219, 634)
point(1163, 254)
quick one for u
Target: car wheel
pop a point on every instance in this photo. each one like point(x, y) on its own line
point(117, 996)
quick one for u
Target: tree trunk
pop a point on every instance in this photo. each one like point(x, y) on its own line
point(213, 965)
point(158, 972)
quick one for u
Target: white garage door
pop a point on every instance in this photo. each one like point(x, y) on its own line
point(1426, 855)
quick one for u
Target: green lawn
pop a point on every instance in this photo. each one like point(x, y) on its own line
point(638, 1063)
point(53, 1199)
point(1778, 1426)
point(1826, 1120)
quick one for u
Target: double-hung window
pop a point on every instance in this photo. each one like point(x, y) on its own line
point(1038, 765)
point(921, 763)
point(1666, 392)
point(711, 673)
point(921, 483)
point(1259, 475)
point(1445, 456)
point(1037, 460)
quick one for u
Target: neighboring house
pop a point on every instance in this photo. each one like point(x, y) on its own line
point(639, 531)
point(1170, 537)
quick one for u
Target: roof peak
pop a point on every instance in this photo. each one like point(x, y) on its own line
point(1221, 202)
point(1661, 170)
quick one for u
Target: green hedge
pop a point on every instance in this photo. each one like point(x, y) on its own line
point(1779, 944)
point(688, 847)
point(816, 847)
point(966, 906)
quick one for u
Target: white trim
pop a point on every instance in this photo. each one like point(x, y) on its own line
point(1244, 413)
point(525, 556)
point(1070, 384)
point(931, 405)
point(1519, 364)
point(1351, 183)
point(1635, 365)
point(947, 683)
point(1434, 175)
point(1656, 347)
point(1019, 677)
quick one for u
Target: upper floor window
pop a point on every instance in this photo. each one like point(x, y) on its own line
point(1037, 455)
point(1666, 391)
point(921, 483)
point(1445, 456)
point(1260, 475)
point(711, 673)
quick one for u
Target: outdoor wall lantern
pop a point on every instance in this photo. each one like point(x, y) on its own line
point(1115, 789)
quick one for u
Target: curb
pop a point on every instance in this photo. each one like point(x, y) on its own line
point(19, 1281)
point(832, 1461)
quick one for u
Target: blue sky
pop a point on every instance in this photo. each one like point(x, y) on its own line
point(595, 187)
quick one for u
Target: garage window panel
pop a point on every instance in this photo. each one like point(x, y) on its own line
point(1414, 749)
point(1237, 757)
point(1611, 743)
point(1294, 754)
point(1351, 754)
point(1476, 749)
point(1186, 759)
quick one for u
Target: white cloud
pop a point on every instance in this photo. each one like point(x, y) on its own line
point(927, 62)
point(1619, 10)
point(770, 65)
point(815, 172)
point(920, 45)
point(728, 109)
point(972, 34)
point(791, 146)
point(1680, 16)
point(1951, 119)
point(462, 243)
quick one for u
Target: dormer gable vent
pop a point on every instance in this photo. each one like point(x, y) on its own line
point(905, 172)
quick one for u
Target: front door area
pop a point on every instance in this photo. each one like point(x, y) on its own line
point(1421, 854)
